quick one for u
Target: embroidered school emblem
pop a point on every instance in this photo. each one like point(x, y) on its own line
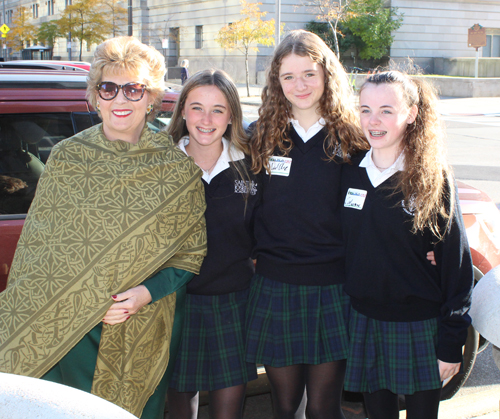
point(245, 186)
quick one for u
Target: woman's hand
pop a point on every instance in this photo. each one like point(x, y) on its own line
point(431, 258)
point(447, 370)
point(127, 304)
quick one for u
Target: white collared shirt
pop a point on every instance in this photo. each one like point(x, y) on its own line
point(311, 132)
point(229, 153)
point(376, 176)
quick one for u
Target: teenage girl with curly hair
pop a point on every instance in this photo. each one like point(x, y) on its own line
point(409, 318)
point(296, 325)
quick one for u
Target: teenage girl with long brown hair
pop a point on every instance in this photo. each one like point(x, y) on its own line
point(409, 319)
point(296, 325)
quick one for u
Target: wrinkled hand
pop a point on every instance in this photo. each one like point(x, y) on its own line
point(431, 258)
point(127, 303)
point(447, 370)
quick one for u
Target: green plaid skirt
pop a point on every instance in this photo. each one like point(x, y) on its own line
point(212, 350)
point(296, 324)
point(396, 356)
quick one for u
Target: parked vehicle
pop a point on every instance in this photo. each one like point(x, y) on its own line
point(46, 65)
point(39, 108)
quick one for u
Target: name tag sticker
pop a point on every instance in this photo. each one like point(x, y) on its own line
point(355, 198)
point(280, 166)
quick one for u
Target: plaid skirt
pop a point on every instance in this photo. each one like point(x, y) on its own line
point(212, 351)
point(296, 324)
point(396, 356)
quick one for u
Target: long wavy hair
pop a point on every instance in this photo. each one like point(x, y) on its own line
point(336, 107)
point(427, 182)
point(235, 132)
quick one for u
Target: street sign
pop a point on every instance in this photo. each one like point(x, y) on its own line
point(477, 36)
point(4, 29)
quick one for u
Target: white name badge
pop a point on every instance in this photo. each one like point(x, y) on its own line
point(280, 166)
point(355, 198)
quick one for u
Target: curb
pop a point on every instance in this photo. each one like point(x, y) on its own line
point(481, 405)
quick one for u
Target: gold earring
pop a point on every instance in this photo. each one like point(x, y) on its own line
point(98, 106)
point(150, 108)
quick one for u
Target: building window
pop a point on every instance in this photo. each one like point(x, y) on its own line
point(35, 11)
point(492, 48)
point(67, 3)
point(9, 16)
point(50, 7)
point(198, 37)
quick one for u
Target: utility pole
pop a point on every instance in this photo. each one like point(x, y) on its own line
point(5, 40)
point(278, 24)
point(130, 32)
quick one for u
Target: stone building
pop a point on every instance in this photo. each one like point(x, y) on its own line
point(433, 34)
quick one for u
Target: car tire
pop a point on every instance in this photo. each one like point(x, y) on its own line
point(496, 355)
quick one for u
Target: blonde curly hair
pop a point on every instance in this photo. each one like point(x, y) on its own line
point(127, 54)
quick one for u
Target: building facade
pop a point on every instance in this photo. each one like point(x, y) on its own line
point(432, 30)
point(435, 32)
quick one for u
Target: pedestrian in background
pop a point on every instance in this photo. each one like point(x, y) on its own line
point(184, 71)
point(409, 318)
point(207, 125)
point(296, 322)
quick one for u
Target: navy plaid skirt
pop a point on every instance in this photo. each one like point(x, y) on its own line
point(296, 324)
point(396, 356)
point(212, 351)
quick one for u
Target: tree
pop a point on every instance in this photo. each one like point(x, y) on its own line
point(22, 31)
point(374, 24)
point(245, 33)
point(85, 21)
point(332, 12)
point(346, 40)
point(47, 34)
point(118, 15)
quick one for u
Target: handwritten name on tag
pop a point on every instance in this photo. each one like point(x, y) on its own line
point(355, 198)
point(280, 166)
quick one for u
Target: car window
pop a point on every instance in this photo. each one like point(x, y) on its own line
point(25, 144)
point(161, 121)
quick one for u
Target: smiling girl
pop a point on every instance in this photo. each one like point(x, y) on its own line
point(296, 318)
point(409, 319)
point(207, 125)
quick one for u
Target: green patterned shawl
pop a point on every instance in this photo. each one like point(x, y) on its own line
point(106, 216)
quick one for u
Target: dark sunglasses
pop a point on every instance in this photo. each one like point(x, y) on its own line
point(132, 91)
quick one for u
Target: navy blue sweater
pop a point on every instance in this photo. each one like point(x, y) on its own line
point(387, 274)
point(297, 225)
point(228, 266)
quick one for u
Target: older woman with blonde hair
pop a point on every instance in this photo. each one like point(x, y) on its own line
point(114, 233)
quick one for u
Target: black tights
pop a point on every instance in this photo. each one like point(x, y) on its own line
point(384, 404)
point(226, 403)
point(317, 386)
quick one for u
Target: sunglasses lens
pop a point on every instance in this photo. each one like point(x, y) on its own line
point(134, 91)
point(108, 90)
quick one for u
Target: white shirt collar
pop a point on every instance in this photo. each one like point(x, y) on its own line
point(311, 132)
point(376, 176)
point(229, 153)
